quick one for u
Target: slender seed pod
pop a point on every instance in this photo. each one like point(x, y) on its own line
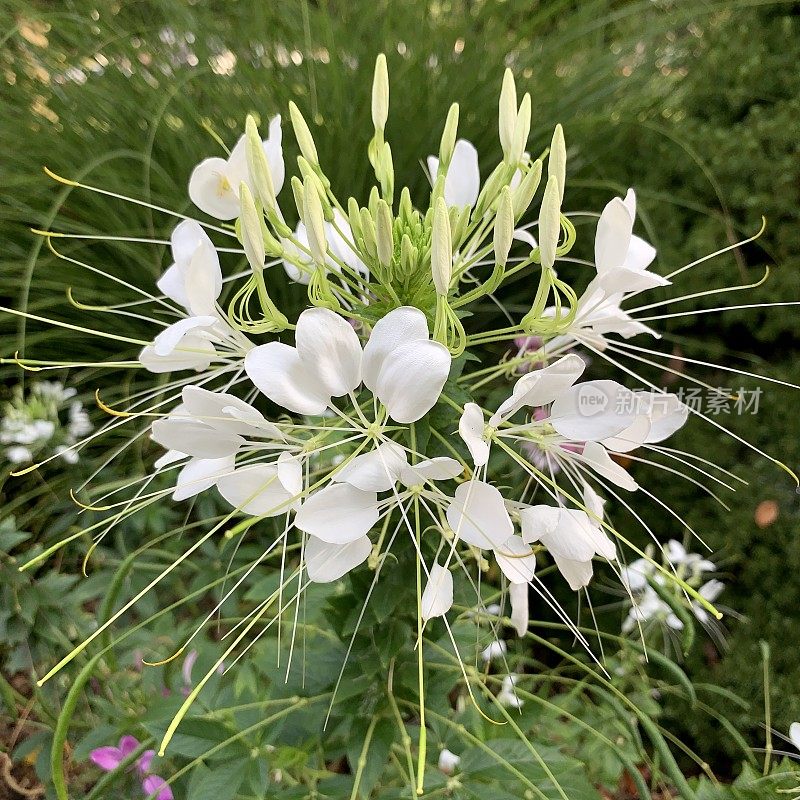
point(503, 227)
point(251, 233)
point(303, 135)
point(550, 222)
point(258, 165)
point(507, 112)
point(441, 249)
point(557, 162)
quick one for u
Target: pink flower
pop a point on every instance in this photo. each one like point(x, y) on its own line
point(525, 345)
point(158, 787)
point(109, 758)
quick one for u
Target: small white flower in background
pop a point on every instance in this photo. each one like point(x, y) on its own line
point(448, 761)
point(494, 651)
point(507, 695)
point(45, 422)
point(794, 734)
point(214, 184)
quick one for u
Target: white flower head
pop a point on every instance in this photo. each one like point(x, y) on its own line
point(214, 183)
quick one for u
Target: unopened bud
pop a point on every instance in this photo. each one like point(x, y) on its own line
point(354, 217)
point(368, 233)
point(380, 93)
point(383, 234)
point(408, 256)
point(315, 222)
point(406, 208)
point(252, 238)
point(258, 165)
point(521, 130)
point(503, 227)
point(557, 162)
point(308, 173)
point(448, 142)
point(441, 249)
point(523, 194)
point(299, 195)
point(550, 222)
point(385, 171)
point(508, 112)
point(303, 135)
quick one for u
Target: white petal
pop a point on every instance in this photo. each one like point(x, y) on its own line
point(195, 353)
point(593, 410)
point(277, 370)
point(614, 230)
point(290, 474)
point(463, 181)
point(328, 562)
point(577, 573)
point(437, 599)
point(171, 338)
point(200, 474)
point(518, 594)
point(338, 514)
point(630, 202)
point(667, 415)
point(516, 560)
point(524, 235)
point(171, 284)
point(376, 471)
point(440, 468)
point(640, 254)
point(274, 152)
point(433, 168)
point(538, 522)
point(412, 378)
point(541, 386)
point(573, 537)
point(292, 270)
point(202, 278)
point(794, 734)
point(194, 438)
point(622, 280)
point(402, 325)
point(226, 412)
point(593, 502)
point(595, 456)
point(478, 515)
point(211, 190)
point(169, 458)
point(329, 348)
point(470, 428)
point(635, 435)
point(255, 490)
point(340, 239)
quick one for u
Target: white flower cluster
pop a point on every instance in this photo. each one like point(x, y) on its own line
point(46, 420)
point(654, 599)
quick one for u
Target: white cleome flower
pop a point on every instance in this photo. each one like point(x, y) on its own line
point(463, 181)
point(399, 364)
point(214, 183)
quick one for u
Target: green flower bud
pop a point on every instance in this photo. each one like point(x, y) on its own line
point(368, 233)
point(550, 222)
point(521, 130)
point(380, 93)
point(314, 220)
point(384, 234)
point(354, 217)
point(523, 194)
point(557, 162)
point(406, 207)
point(308, 173)
point(507, 112)
point(303, 135)
point(503, 227)
point(257, 164)
point(299, 196)
point(408, 256)
point(448, 141)
point(441, 249)
point(251, 235)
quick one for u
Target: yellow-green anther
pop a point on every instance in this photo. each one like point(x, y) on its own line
point(550, 222)
point(303, 135)
point(521, 130)
point(508, 112)
point(380, 93)
point(523, 194)
point(315, 222)
point(258, 165)
point(448, 142)
point(503, 227)
point(441, 249)
point(557, 162)
point(383, 233)
point(252, 238)
point(368, 233)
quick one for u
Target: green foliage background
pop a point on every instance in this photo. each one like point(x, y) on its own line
point(694, 104)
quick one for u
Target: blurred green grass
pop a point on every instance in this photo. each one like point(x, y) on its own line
point(694, 104)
